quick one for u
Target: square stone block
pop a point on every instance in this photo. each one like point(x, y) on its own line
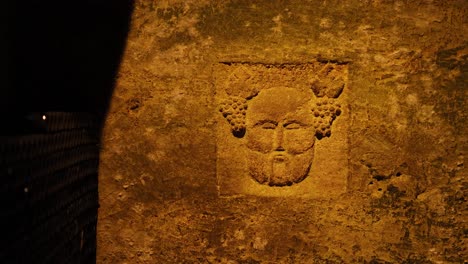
point(282, 128)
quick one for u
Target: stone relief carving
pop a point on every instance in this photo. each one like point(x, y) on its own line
point(280, 137)
point(234, 109)
point(279, 111)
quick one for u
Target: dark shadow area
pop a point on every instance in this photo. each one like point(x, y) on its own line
point(66, 53)
point(59, 65)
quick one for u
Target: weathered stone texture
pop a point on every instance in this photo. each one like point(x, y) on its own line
point(404, 135)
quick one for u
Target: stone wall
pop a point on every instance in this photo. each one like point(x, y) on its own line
point(386, 185)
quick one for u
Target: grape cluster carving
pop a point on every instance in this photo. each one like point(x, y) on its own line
point(325, 111)
point(234, 110)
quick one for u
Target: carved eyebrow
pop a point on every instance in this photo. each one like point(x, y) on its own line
point(289, 122)
point(265, 121)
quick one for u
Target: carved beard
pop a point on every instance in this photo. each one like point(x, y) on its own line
point(279, 169)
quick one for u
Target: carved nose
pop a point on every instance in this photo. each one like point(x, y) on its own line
point(278, 140)
point(279, 148)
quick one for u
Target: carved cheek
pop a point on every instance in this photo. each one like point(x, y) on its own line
point(259, 139)
point(297, 141)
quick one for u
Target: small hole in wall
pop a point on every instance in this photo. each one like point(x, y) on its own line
point(134, 104)
point(380, 189)
point(398, 174)
point(370, 183)
point(379, 177)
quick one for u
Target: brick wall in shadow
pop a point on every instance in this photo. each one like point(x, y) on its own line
point(61, 58)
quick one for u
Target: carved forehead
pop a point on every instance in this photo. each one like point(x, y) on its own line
point(277, 103)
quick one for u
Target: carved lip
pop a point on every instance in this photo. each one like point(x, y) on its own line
point(280, 158)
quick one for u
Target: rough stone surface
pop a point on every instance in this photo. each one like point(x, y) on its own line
point(398, 149)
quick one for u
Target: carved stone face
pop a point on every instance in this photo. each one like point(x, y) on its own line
point(280, 136)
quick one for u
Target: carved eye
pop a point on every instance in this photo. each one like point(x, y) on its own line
point(292, 125)
point(268, 125)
